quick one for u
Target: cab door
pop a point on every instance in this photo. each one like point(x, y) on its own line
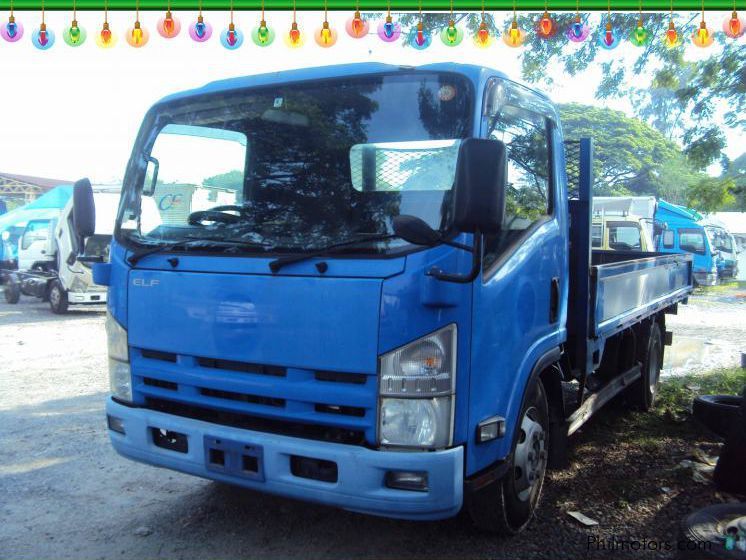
point(519, 300)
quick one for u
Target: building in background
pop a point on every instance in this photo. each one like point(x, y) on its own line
point(17, 190)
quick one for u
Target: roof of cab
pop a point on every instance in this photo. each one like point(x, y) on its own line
point(473, 72)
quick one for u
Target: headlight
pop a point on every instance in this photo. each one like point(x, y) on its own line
point(417, 384)
point(120, 378)
point(416, 422)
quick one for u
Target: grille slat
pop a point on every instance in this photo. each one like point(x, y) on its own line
point(242, 397)
point(230, 365)
point(158, 355)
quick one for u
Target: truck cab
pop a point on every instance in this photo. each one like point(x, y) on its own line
point(36, 245)
point(55, 265)
point(383, 315)
point(621, 233)
point(684, 233)
point(727, 251)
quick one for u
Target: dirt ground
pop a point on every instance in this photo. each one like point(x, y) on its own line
point(64, 493)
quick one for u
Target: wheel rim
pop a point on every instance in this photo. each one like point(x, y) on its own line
point(54, 296)
point(530, 457)
point(653, 371)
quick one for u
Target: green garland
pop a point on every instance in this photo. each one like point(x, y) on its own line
point(372, 5)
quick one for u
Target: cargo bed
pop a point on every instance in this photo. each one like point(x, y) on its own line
point(627, 286)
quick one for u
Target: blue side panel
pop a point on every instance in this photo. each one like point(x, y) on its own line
point(512, 327)
point(117, 297)
point(412, 305)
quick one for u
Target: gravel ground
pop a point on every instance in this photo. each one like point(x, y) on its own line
point(64, 493)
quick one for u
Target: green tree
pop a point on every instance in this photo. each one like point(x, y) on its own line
point(232, 180)
point(682, 99)
point(736, 171)
point(710, 194)
point(631, 157)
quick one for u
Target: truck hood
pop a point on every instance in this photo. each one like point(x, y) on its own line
point(310, 322)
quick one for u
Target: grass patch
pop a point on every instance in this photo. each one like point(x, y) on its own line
point(650, 431)
point(675, 394)
point(726, 286)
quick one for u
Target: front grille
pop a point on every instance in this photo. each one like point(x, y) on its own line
point(344, 410)
point(312, 403)
point(339, 377)
point(248, 422)
point(241, 366)
point(241, 397)
point(156, 355)
point(170, 385)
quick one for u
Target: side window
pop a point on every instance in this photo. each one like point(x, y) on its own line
point(528, 194)
point(692, 241)
point(597, 235)
point(668, 239)
point(36, 230)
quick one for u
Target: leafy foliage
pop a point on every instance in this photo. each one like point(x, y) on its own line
point(232, 180)
point(681, 99)
point(709, 194)
point(630, 156)
point(736, 171)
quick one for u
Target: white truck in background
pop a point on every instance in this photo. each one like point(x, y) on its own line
point(48, 267)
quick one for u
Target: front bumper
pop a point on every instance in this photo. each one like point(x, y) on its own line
point(86, 297)
point(360, 485)
point(706, 279)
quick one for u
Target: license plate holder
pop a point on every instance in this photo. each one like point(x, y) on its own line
point(234, 458)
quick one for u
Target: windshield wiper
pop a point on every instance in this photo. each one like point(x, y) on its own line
point(276, 265)
point(134, 258)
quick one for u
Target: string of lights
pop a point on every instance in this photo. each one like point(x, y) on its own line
point(419, 36)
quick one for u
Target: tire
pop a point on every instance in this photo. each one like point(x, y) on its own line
point(717, 412)
point(701, 532)
point(731, 465)
point(12, 292)
point(506, 506)
point(58, 298)
point(650, 356)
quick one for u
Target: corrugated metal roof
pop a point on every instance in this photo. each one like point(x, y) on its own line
point(44, 183)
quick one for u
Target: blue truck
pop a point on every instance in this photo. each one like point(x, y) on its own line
point(685, 233)
point(399, 312)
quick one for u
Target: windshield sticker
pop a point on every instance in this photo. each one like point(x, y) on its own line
point(278, 102)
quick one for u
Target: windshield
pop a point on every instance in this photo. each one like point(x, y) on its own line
point(624, 236)
point(720, 240)
point(298, 167)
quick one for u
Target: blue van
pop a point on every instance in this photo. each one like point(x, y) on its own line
point(684, 234)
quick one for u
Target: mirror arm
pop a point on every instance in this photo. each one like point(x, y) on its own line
point(457, 245)
point(476, 265)
point(90, 259)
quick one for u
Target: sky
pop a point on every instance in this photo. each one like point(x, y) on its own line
point(67, 112)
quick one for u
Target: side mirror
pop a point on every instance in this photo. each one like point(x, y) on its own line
point(84, 212)
point(152, 171)
point(478, 203)
point(479, 193)
point(659, 227)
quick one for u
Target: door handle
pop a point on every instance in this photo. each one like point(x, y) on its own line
point(554, 296)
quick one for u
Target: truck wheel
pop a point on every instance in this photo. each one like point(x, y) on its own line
point(702, 533)
point(12, 292)
point(57, 298)
point(650, 356)
point(506, 506)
